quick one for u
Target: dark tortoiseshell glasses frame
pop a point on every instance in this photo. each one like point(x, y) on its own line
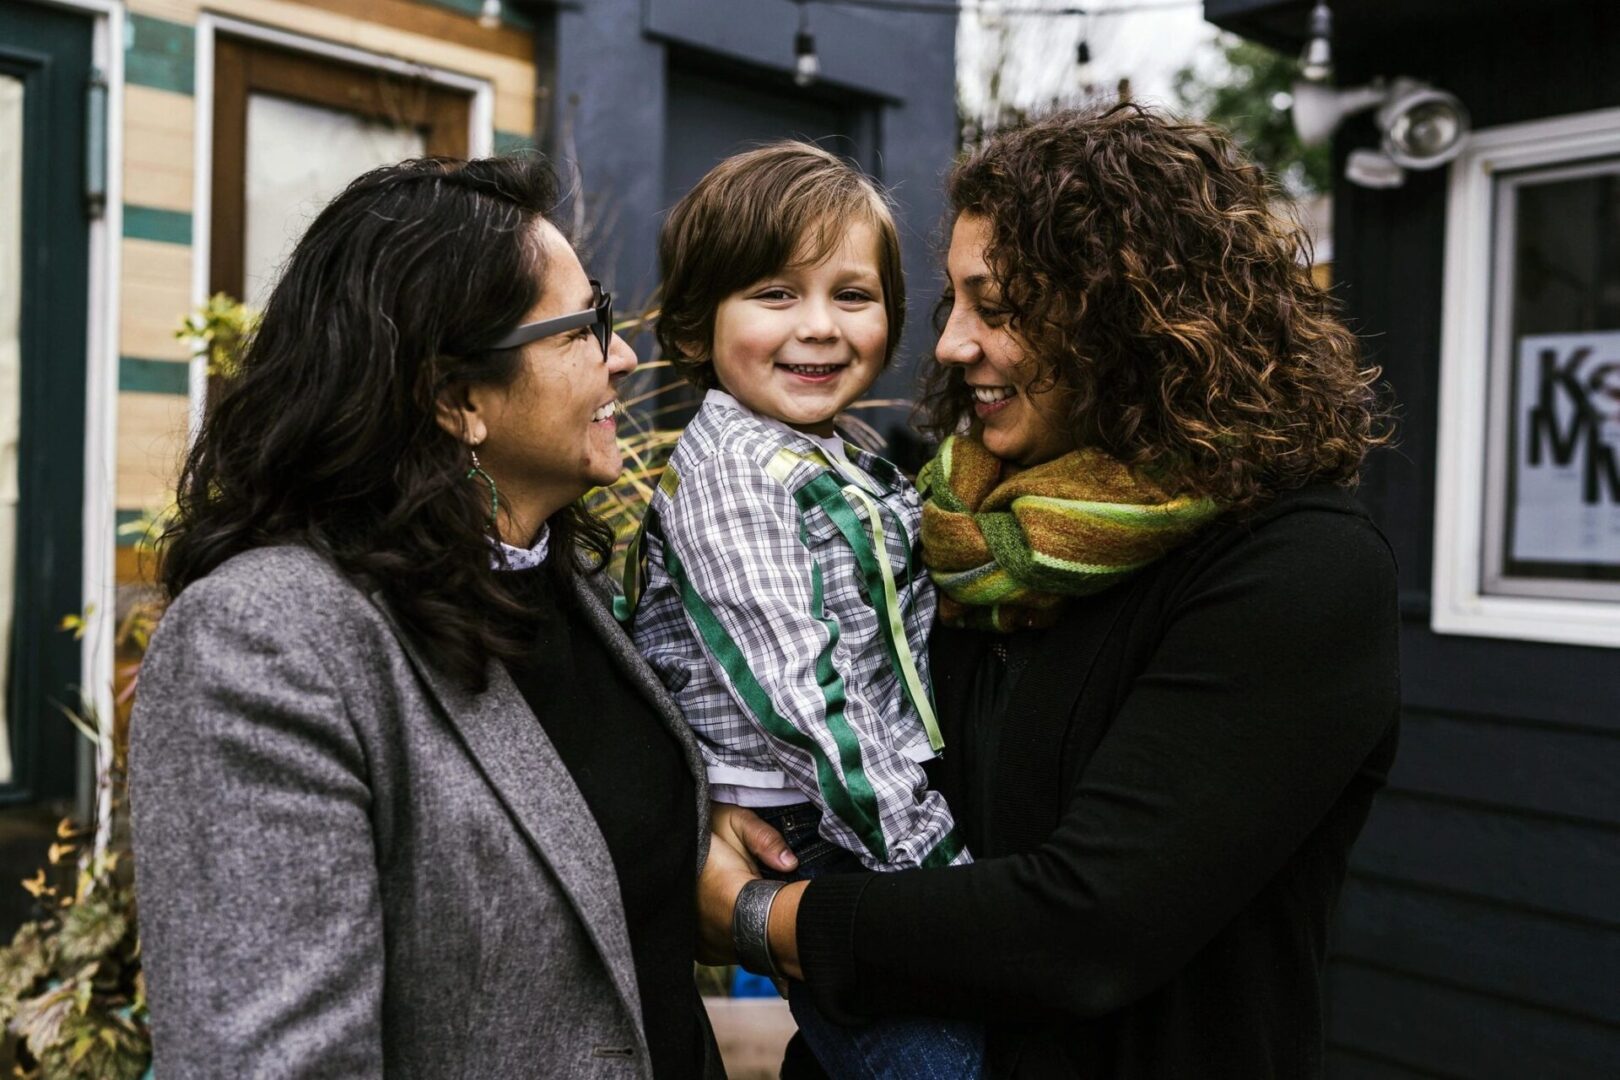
point(599, 316)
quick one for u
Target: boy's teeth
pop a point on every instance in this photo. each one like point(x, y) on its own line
point(810, 369)
point(989, 395)
point(605, 412)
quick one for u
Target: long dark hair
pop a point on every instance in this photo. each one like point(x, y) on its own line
point(1170, 310)
point(328, 437)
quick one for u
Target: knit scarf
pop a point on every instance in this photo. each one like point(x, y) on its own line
point(1007, 554)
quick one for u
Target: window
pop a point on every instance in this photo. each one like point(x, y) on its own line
point(1528, 504)
point(290, 130)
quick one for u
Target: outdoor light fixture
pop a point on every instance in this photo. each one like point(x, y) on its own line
point(1373, 169)
point(1318, 108)
point(1082, 57)
point(1421, 127)
point(806, 64)
point(1316, 62)
point(489, 15)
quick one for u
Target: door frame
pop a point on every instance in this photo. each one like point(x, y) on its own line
point(480, 137)
point(98, 571)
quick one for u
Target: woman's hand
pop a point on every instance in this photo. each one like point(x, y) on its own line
point(748, 834)
point(740, 838)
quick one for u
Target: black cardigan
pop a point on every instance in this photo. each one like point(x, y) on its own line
point(1183, 767)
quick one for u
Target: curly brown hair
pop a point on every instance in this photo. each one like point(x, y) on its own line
point(1147, 272)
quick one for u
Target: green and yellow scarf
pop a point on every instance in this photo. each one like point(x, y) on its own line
point(1007, 553)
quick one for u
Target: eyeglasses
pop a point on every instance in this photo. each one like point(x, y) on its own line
point(599, 316)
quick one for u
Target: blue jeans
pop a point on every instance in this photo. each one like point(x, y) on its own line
point(900, 1048)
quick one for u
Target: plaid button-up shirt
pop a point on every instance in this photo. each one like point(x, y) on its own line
point(759, 619)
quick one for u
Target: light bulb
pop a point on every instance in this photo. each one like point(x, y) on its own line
point(1316, 63)
point(489, 15)
point(806, 65)
point(1082, 58)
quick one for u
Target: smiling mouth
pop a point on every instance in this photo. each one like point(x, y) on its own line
point(606, 412)
point(813, 371)
point(991, 395)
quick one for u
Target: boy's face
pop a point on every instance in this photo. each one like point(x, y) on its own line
point(799, 346)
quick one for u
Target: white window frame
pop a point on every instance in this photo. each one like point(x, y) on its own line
point(480, 135)
point(1465, 459)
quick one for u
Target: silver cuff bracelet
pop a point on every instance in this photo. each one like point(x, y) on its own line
point(750, 920)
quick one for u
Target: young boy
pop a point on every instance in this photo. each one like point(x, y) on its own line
point(784, 604)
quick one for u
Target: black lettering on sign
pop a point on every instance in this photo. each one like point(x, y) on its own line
point(1560, 379)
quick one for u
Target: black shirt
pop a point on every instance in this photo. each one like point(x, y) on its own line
point(634, 777)
point(989, 691)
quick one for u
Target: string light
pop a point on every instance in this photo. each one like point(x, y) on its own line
point(1316, 62)
point(806, 64)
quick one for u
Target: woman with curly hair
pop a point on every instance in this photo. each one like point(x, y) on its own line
point(406, 800)
point(1166, 662)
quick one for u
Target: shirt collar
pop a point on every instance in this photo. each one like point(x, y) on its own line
point(520, 558)
point(831, 445)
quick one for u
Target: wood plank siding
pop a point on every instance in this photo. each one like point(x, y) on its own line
point(1479, 933)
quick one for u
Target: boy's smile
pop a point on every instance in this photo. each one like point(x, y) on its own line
point(801, 345)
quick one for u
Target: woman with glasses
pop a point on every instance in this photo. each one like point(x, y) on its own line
point(406, 801)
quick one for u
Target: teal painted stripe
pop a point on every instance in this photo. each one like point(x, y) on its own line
point(151, 223)
point(510, 15)
point(125, 532)
point(153, 376)
point(160, 54)
point(507, 142)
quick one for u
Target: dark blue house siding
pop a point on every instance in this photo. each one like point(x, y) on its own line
point(647, 94)
point(1479, 933)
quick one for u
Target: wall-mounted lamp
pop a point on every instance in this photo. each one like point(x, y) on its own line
point(489, 14)
point(1422, 127)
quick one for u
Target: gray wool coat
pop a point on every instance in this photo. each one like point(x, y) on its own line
point(348, 865)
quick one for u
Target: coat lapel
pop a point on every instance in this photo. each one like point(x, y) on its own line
point(599, 614)
point(513, 753)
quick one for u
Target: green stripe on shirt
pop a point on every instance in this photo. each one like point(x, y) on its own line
point(855, 804)
point(825, 492)
point(945, 852)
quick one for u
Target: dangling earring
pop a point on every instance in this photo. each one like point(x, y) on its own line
point(494, 496)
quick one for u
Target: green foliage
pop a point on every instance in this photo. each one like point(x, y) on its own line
point(219, 330)
point(71, 991)
point(1244, 98)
